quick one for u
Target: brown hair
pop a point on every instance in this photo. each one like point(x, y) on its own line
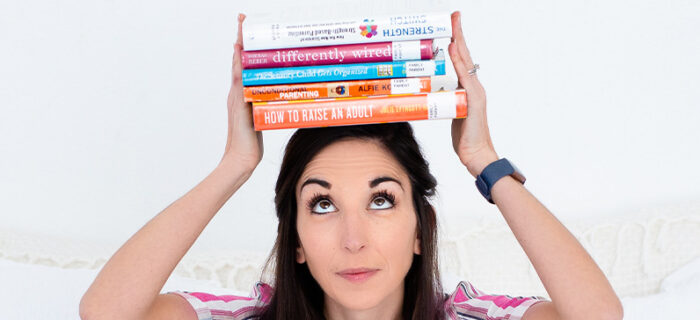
point(297, 295)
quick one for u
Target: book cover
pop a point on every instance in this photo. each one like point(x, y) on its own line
point(343, 54)
point(367, 29)
point(345, 72)
point(359, 110)
point(357, 88)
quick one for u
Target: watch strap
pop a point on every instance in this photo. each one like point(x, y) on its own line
point(494, 172)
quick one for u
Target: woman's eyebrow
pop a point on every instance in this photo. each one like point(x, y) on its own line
point(379, 180)
point(319, 182)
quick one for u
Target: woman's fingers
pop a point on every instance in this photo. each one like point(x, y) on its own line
point(238, 48)
point(458, 62)
point(458, 49)
point(462, 61)
point(458, 38)
point(239, 39)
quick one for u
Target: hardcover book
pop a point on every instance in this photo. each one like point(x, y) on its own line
point(359, 110)
point(343, 54)
point(342, 72)
point(367, 29)
point(338, 89)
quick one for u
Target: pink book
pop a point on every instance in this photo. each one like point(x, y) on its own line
point(343, 54)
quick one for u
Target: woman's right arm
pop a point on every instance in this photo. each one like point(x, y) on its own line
point(129, 284)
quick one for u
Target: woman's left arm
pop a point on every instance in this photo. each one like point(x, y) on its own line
point(574, 282)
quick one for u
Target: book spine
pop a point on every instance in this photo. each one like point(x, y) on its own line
point(358, 71)
point(369, 29)
point(345, 54)
point(340, 89)
point(361, 110)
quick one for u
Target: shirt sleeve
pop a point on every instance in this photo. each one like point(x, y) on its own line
point(227, 307)
point(467, 302)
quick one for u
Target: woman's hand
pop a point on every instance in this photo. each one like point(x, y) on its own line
point(470, 137)
point(244, 146)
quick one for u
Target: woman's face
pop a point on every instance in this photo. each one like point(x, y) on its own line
point(355, 210)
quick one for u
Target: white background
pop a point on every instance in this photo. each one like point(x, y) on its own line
point(111, 110)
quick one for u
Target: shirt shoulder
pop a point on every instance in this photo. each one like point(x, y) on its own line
point(209, 306)
point(468, 302)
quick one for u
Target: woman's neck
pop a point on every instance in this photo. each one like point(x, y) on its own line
point(389, 308)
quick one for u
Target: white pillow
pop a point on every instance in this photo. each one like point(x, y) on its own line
point(31, 291)
point(677, 297)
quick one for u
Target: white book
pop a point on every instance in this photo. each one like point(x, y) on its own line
point(313, 33)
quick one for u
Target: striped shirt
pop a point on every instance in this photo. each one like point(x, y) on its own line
point(465, 303)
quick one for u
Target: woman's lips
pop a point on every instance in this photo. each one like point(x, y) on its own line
point(357, 275)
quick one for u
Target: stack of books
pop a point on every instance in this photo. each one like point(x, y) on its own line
point(349, 71)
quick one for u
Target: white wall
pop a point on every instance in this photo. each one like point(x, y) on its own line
point(111, 110)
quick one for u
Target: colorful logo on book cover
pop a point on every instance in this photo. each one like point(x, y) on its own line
point(369, 29)
point(340, 90)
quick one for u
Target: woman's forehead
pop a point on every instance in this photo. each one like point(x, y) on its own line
point(353, 160)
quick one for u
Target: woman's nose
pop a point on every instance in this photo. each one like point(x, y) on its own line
point(354, 231)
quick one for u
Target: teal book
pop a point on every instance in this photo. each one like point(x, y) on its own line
point(344, 72)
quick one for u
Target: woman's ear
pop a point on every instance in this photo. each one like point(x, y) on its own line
point(416, 242)
point(416, 245)
point(300, 255)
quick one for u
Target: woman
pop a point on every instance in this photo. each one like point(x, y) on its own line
point(356, 235)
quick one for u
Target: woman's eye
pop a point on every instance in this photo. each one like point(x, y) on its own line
point(323, 206)
point(381, 203)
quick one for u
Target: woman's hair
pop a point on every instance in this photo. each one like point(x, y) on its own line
point(297, 295)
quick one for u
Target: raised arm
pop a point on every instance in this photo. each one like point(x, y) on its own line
point(577, 287)
point(129, 284)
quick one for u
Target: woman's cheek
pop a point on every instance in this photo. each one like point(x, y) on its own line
point(399, 240)
point(320, 251)
point(317, 242)
point(396, 240)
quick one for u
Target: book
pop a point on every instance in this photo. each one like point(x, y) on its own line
point(343, 54)
point(343, 72)
point(338, 89)
point(359, 110)
point(325, 32)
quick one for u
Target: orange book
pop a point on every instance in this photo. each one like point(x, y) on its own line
point(338, 89)
point(359, 110)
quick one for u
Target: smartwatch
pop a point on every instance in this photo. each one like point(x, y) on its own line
point(495, 171)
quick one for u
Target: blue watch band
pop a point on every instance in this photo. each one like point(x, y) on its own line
point(494, 172)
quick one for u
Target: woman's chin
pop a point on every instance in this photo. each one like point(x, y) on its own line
point(358, 300)
point(358, 296)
